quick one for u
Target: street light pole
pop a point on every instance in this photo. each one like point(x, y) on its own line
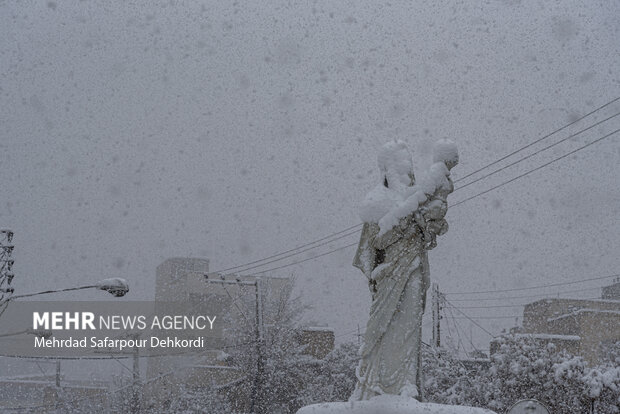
point(136, 403)
point(116, 286)
point(256, 406)
point(6, 264)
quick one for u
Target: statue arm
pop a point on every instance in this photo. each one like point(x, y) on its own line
point(366, 254)
point(381, 242)
point(434, 213)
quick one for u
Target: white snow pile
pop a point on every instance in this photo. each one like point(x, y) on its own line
point(436, 178)
point(596, 380)
point(389, 404)
point(115, 285)
point(445, 151)
point(387, 205)
point(396, 164)
point(396, 167)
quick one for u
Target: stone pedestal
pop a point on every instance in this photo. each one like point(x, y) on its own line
point(389, 404)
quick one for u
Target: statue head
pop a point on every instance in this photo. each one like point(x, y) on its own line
point(396, 165)
point(446, 151)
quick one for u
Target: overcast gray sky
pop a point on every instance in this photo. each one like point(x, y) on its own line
point(131, 132)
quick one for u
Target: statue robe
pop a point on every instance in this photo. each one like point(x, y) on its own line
point(390, 356)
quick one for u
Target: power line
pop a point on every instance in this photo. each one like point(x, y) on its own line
point(454, 205)
point(540, 139)
point(468, 317)
point(450, 333)
point(458, 334)
point(494, 306)
point(299, 252)
point(290, 250)
point(537, 168)
point(508, 306)
point(489, 317)
point(301, 261)
point(540, 295)
point(534, 287)
point(355, 333)
point(294, 251)
point(456, 324)
point(534, 153)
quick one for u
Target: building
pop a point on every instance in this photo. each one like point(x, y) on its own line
point(612, 292)
point(38, 393)
point(232, 299)
point(578, 326)
point(319, 341)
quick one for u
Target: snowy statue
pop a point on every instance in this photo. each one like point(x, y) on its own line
point(402, 219)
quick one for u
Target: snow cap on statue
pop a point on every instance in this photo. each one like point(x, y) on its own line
point(396, 167)
point(396, 164)
point(446, 151)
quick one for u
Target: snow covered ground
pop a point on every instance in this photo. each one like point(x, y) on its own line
point(389, 404)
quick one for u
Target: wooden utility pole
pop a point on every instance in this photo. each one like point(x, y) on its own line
point(257, 405)
point(6, 264)
point(57, 373)
point(136, 386)
point(257, 402)
point(436, 311)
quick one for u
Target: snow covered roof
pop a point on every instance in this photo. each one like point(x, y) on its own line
point(475, 360)
point(584, 310)
point(544, 336)
point(218, 367)
point(549, 336)
point(574, 300)
point(20, 381)
point(318, 329)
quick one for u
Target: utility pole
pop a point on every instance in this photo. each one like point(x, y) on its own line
point(436, 312)
point(58, 373)
point(256, 404)
point(58, 395)
point(258, 408)
point(136, 386)
point(6, 265)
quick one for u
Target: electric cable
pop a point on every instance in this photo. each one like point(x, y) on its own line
point(572, 282)
point(454, 205)
point(532, 154)
point(540, 139)
point(537, 168)
point(294, 251)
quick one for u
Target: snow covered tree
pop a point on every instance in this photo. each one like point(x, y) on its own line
point(603, 381)
point(276, 368)
point(448, 381)
point(334, 378)
point(340, 372)
point(189, 400)
point(524, 368)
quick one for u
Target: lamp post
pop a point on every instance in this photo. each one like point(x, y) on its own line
point(37, 332)
point(115, 286)
point(6, 264)
point(256, 406)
